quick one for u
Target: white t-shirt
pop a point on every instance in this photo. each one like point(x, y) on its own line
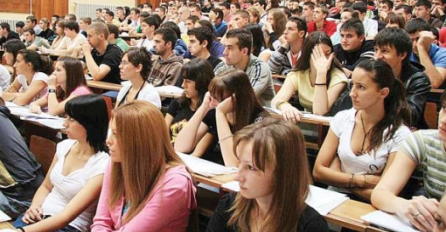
point(148, 93)
point(5, 77)
point(38, 76)
point(148, 44)
point(66, 187)
point(342, 125)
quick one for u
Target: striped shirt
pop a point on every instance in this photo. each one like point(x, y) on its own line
point(426, 149)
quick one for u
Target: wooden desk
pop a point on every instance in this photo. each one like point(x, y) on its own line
point(279, 77)
point(216, 181)
point(103, 85)
point(6, 225)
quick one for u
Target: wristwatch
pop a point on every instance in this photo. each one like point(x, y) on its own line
point(51, 91)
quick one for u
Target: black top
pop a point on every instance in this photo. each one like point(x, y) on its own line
point(111, 58)
point(214, 61)
point(309, 221)
point(11, 35)
point(181, 114)
point(349, 59)
point(46, 34)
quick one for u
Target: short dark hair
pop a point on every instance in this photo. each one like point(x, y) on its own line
point(218, 12)
point(262, 3)
point(208, 24)
point(157, 17)
point(113, 29)
point(6, 26)
point(71, 17)
point(354, 24)
point(172, 26)
point(91, 112)
point(32, 18)
point(285, 10)
point(360, 6)
point(416, 25)
point(30, 30)
point(136, 10)
point(312, 5)
point(168, 34)
point(193, 18)
point(151, 21)
point(426, 4)
point(72, 25)
point(86, 20)
point(407, 9)
point(202, 34)
point(388, 3)
point(110, 13)
point(300, 23)
point(397, 38)
point(244, 38)
point(138, 56)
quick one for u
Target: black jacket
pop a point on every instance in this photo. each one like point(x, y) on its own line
point(417, 86)
point(11, 35)
point(349, 60)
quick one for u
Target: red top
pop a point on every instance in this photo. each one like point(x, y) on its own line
point(329, 27)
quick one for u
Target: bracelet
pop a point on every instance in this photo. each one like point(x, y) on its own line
point(21, 229)
point(320, 84)
point(350, 181)
point(224, 138)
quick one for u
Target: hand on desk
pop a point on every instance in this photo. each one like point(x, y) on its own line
point(290, 113)
point(34, 108)
point(419, 211)
point(32, 215)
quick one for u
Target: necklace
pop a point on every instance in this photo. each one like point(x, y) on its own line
point(362, 152)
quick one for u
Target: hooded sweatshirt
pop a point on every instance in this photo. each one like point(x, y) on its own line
point(166, 72)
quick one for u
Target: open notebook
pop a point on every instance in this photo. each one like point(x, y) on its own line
point(53, 122)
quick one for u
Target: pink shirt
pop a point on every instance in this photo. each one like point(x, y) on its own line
point(167, 209)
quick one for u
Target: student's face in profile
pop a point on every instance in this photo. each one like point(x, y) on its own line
point(113, 148)
point(232, 53)
point(291, 32)
point(389, 55)
point(440, 215)
point(127, 69)
point(190, 24)
point(254, 183)
point(345, 16)
point(365, 92)
point(93, 38)
point(160, 45)
point(9, 57)
point(20, 64)
point(146, 29)
point(189, 88)
point(74, 129)
point(60, 73)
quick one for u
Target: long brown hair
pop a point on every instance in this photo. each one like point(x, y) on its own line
point(279, 145)
point(236, 83)
point(74, 76)
point(279, 23)
point(146, 157)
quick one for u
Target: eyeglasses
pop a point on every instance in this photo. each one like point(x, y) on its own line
point(125, 63)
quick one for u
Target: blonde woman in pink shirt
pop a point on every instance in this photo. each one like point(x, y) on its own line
point(146, 186)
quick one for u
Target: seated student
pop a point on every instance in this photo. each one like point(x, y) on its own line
point(424, 150)
point(71, 45)
point(274, 180)
point(60, 37)
point(432, 57)
point(113, 38)
point(180, 47)
point(66, 200)
point(46, 32)
point(22, 175)
point(318, 79)
point(320, 22)
point(236, 106)
point(148, 26)
point(217, 48)
point(362, 141)
point(200, 41)
point(135, 67)
point(354, 47)
point(146, 186)
point(66, 82)
point(32, 41)
point(274, 28)
point(197, 75)
point(31, 81)
point(12, 48)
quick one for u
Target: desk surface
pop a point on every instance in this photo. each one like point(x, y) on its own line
point(116, 87)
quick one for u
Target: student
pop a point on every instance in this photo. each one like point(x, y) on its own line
point(12, 48)
point(180, 47)
point(22, 175)
point(320, 22)
point(259, 44)
point(318, 79)
point(31, 81)
point(200, 42)
point(66, 82)
point(135, 67)
point(274, 181)
point(60, 34)
point(274, 28)
point(146, 186)
point(67, 198)
point(6, 34)
point(148, 26)
point(46, 30)
point(424, 150)
point(197, 75)
point(72, 44)
point(32, 41)
point(362, 141)
point(230, 115)
point(113, 38)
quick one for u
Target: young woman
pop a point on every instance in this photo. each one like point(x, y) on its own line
point(60, 34)
point(46, 30)
point(146, 186)
point(236, 106)
point(274, 28)
point(67, 198)
point(259, 44)
point(318, 79)
point(423, 150)
point(197, 75)
point(274, 180)
point(362, 141)
point(31, 81)
point(66, 82)
point(135, 67)
point(12, 48)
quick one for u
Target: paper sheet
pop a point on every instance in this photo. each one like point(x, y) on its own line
point(388, 221)
point(4, 217)
point(8, 230)
point(204, 167)
point(168, 89)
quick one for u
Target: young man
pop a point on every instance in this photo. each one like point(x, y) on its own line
point(31, 22)
point(84, 22)
point(308, 11)
point(370, 25)
point(423, 10)
point(161, 12)
point(70, 17)
point(238, 44)
point(384, 8)
point(200, 41)
point(148, 26)
point(19, 27)
point(102, 59)
point(353, 48)
point(260, 5)
point(431, 56)
point(196, 10)
point(190, 22)
point(216, 16)
point(404, 11)
point(394, 47)
point(167, 66)
point(72, 44)
point(6, 33)
point(240, 20)
point(437, 10)
point(320, 23)
point(285, 58)
point(113, 38)
point(109, 18)
point(226, 7)
point(33, 42)
point(183, 14)
point(120, 14)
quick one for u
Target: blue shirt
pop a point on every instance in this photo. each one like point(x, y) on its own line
point(217, 50)
point(220, 30)
point(437, 55)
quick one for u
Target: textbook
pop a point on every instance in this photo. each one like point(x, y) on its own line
point(388, 221)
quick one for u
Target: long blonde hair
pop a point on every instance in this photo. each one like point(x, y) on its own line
point(146, 155)
point(279, 145)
